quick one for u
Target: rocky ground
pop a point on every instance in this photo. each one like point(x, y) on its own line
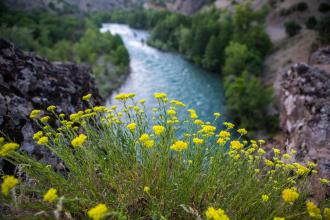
point(304, 93)
point(29, 82)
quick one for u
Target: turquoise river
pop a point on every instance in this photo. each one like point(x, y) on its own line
point(155, 71)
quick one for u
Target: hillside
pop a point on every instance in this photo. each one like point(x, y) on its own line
point(74, 5)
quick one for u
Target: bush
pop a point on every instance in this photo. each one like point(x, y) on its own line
point(248, 100)
point(311, 23)
point(323, 28)
point(121, 164)
point(324, 7)
point(292, 28)
point(301, 6)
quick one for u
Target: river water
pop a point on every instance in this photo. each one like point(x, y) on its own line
point(155, 71)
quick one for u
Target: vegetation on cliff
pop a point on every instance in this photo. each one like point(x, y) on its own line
point(122, 164)
point(68, 38)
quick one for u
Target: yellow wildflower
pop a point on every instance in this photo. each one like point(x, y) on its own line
point(276, 151)
point(261, 151)
point(221, 141)
point(193, 114)
point(229, 125)
point(45, 119)
point(224, 134)
point(146, 189)
point(279, 218)
point(216, 214)
point(313, 210)
point(87, 97)
point(158, 129)
point(43, 140)
point(261, 141)
point(269, 163)
point(171, 112)
point(2, 139)
point(50, 195)
point(51, 108)
point(217, 114)
point(177, 103)
point(98, 212)
point(198, 141)
point(242, 131)
point(236, 145)
point(301, 170)
point(286, 156)
point(198, 122)
point(37, 135)
point(208, 129)
point(290, 195)
point(144, 137)
point(179, 146)
point(9, 182)
point(7, 148)
point(265, 198)
point(131, 126)
point(35, 113)
point(149, 143)
point(324, 181)
point(159, 95)
point(78, 141)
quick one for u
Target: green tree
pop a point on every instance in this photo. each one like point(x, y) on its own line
point(237, 56)
point(247, 101)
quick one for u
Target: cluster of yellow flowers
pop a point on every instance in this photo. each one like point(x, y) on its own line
point(158, 129)
point(7, 148)
point(216, 214)
point(73, 130)
point(146, 141)
point(9, 182)
point(50, 195)
point(179, 146)
point(290, 195)
point(98, 212)
point(79, 140)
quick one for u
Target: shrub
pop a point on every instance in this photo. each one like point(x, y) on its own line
point(248, 100)
point(311, 23)
point(292, 28)
point(323, 28)
point(324, 7)
point(301, 6)
point(123, 165)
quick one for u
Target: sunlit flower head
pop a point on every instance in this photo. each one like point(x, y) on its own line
point(7, 148)
point(98, 212)
point(290, 195)
point(50, 195)
point(78, 141)
point(9, 182)
point(216, 214)
point(179, 146)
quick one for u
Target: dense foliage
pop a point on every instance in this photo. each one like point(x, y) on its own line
point(68, 38)
point(292, 28)
point(120, 164)
point(219, 41)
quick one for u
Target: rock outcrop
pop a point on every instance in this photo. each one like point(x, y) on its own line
point(29, 82)
point(186, 6)
point(305, 114)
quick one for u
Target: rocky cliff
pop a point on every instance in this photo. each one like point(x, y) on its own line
point(29, 82)
point(305, 114)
